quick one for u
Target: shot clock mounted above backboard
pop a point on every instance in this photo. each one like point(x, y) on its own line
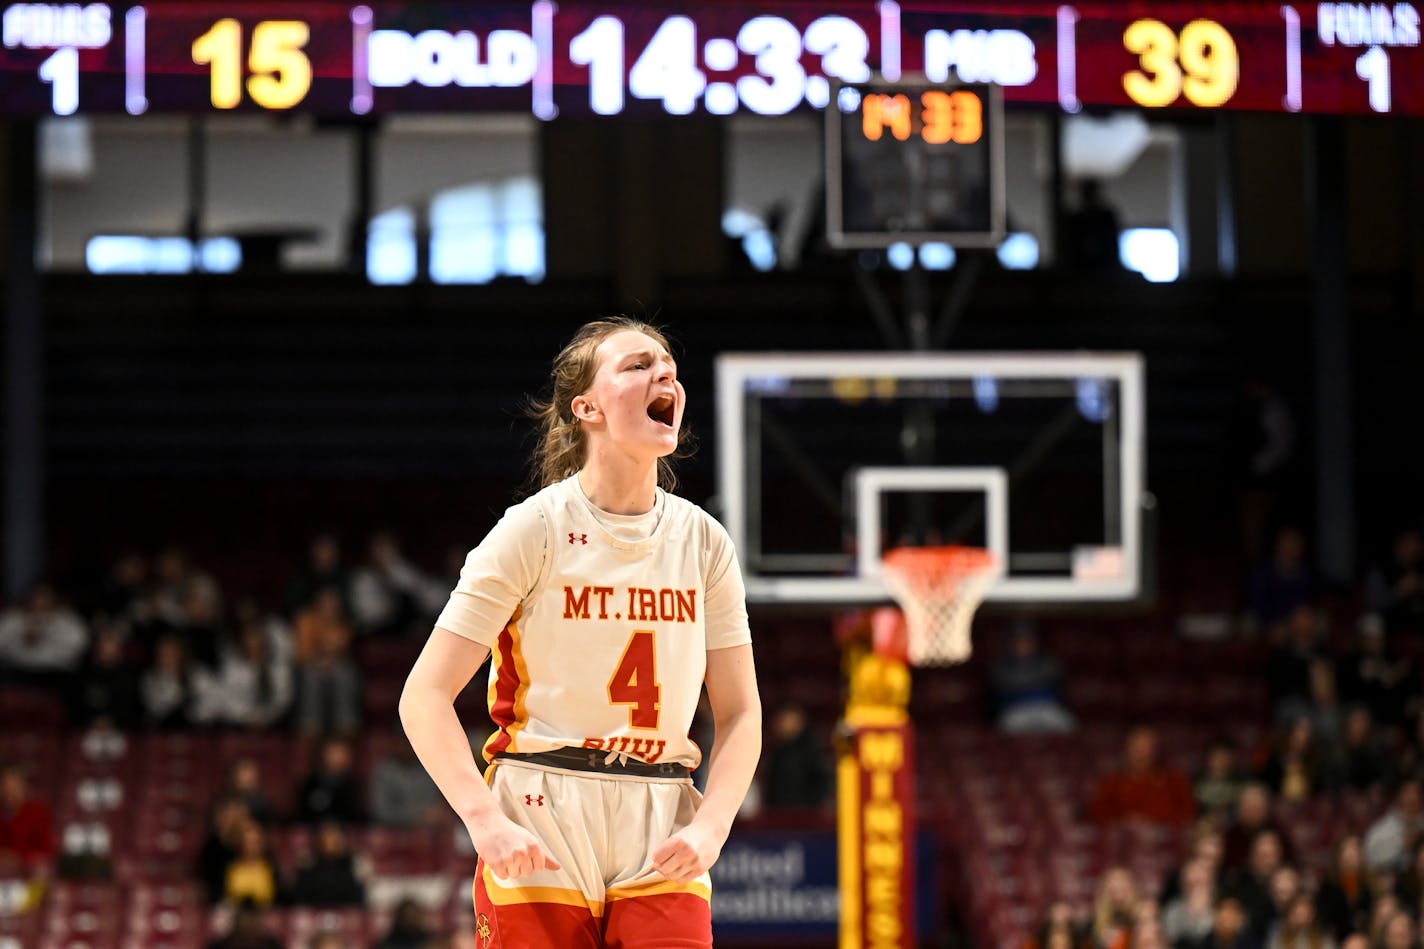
point(914, 161)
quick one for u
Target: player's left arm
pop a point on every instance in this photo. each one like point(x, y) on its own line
point(736, 747)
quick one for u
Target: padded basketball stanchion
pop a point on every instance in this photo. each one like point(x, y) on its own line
point(875, 790)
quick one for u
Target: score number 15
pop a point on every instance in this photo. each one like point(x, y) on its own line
point(281, 74)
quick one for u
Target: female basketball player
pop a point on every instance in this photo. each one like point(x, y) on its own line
point(607, 604)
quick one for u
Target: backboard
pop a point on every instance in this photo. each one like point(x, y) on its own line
point(827, 459)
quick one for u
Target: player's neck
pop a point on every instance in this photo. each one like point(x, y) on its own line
point(620, 486)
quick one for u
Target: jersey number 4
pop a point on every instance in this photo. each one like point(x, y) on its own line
point(635, 681)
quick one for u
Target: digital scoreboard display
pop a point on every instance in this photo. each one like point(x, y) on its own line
point(914, 162)
point(574, 57)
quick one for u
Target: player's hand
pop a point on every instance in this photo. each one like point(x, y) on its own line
point(688, 854)
point(509, 850)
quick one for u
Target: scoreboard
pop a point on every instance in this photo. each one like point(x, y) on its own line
point(610, 58)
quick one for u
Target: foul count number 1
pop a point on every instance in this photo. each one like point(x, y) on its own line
point(281, 73)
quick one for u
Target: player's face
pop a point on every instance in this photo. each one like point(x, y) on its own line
point(635, 402)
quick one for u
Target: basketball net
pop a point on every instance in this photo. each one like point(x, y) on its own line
point(938, 589)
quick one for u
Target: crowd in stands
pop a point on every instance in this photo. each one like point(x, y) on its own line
point(160, 647)
point(1346, 736)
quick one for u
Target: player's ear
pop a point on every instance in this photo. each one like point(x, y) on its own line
point(584, 410)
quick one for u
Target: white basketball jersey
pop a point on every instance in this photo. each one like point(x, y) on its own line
point(607, 645)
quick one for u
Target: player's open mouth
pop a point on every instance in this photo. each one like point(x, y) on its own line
point(663, 410)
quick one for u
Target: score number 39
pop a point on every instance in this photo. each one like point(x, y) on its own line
point(1200, 63)
point(281, 74)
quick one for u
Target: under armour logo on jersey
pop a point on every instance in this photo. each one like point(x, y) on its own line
point(534, 800)
point(578, 538)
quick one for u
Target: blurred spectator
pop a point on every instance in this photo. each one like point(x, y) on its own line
point(1144, 789)
point(1395, 588)
point(1326, 714)
point(1390, 840)
point(1372, 677)
point(1298, 929)
point(42, 638)
point(27, 838)
point(1364, 763)
point(1229, 929)
point(328, 686)
point(252, 688)
point(1295, 649)
point(105, 687)
point(798, 772)
point(1399, 933)
point(247, 931)
point(1344, 896)
point(202, 625)
point(388, 593)
point(330, 792)
point(121, 593)
point(1285, 888)
point(246, 611)
point(252, 874)
point(1091, 232)
point(1026, 687)
point(244, 778)
point(1280, 585)
point(219, 848)
point(1253, 884)
point(1386, 908)
point(409, 929)
point(166, 691)
point(1254, 813)
point(322, 570)
point(1296, 767)
point(327, 940)
point(1207, 846)
point(1188, 918)
point(1114, 909)
point(1409, 886)
point(328, 876)
point(1147, 928)
point(1219, 784)
point(171, 572)
point(1263, 438)
point(1059, 930)
point(401, 792)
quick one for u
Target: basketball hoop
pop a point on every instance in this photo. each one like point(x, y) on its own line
point(939, 588)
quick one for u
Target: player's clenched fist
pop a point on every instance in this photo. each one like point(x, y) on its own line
point(687, 854)
point(509, 850)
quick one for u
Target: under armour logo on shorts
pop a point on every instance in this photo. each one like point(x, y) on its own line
point(578, 538)
point(534, 800)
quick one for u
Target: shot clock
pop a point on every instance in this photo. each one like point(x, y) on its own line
point(618, 57)
point(914, 161)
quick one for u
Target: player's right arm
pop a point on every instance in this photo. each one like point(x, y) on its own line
point(497, 575)
point(427, 711)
